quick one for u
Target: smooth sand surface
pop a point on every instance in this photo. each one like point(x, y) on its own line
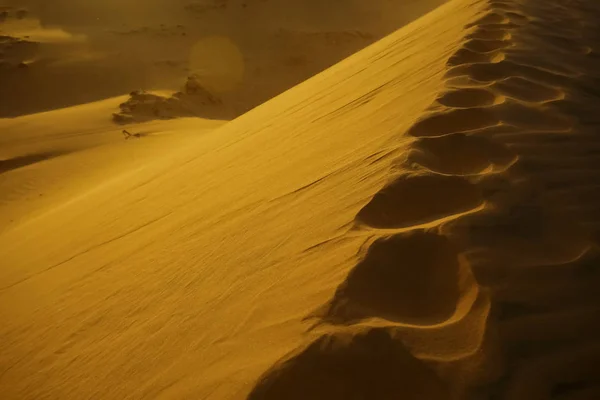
point(419, 221)
point(46, 159)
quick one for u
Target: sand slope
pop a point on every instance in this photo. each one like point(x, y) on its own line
point(47, 159)
point(188, 251)
point(419, 221)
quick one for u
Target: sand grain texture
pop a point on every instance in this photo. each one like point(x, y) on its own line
point(419, 221)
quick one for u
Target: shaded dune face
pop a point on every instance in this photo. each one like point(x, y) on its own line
point(468, 98)
point(483, 33)
point(492, 72)
point(525, 90)
point(414, 199)
point(459, 154)
point(522, 129)
point(369, 365)
point(535, 246)
point(464, 56)
point(408, 278)
point(457, 120)
point(486, 46)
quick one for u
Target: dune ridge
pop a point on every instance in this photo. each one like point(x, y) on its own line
point(501, 132)
point(451, 254)
point(178, 277)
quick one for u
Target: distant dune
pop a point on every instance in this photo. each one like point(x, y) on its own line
point(419, 221)
point(244, 51)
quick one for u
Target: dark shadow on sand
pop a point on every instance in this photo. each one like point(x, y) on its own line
point(23, 161)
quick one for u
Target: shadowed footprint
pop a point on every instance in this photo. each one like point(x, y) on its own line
point(506, 26)
point(566, 28)
point(368, 365)
point(540, 118)
point(481, 72)
point(517, 18)
point(506, 69)
point(497, 130)
point(466, 98)
point(501, 5)
point(408, 278)
point(537, 378)
point(415, 199)
point(489, 34)
point(490, 18)
point(460, 154)
point(525, 90)
point(487, 46)
point(522, 234)
point(465, 82)
point(566, 44)
point(454, 121)
point(552, 63)
point(466, 56)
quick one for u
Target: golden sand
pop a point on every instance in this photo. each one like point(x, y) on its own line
point(419, 221)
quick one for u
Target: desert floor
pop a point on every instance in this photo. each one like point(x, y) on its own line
point(255, 200)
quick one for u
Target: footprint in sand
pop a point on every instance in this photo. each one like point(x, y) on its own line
point(548, 317)
point(565, 44)
point(372, 364)
point(490, 34)
point(490, 18)
point(543, 118)
point(517, 18)
point(481, 72)
point(460, 154)
point(413, 278)
point(504, 26)
point(505, 69)
point(454, 121)
point(501, 5)
point(528, 91)
point(413, 200)
point(466, 56)
point(486, 46)
point(467, 98)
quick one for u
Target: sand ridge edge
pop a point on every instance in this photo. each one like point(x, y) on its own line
point(530, 254)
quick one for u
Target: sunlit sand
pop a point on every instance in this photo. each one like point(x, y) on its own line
point(245, 200)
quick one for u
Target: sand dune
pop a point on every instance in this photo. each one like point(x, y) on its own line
point(193, 101)
point(47, 159)
point(244, 52)
point(419, 221)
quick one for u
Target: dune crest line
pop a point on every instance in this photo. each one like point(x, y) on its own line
point(515, 130)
